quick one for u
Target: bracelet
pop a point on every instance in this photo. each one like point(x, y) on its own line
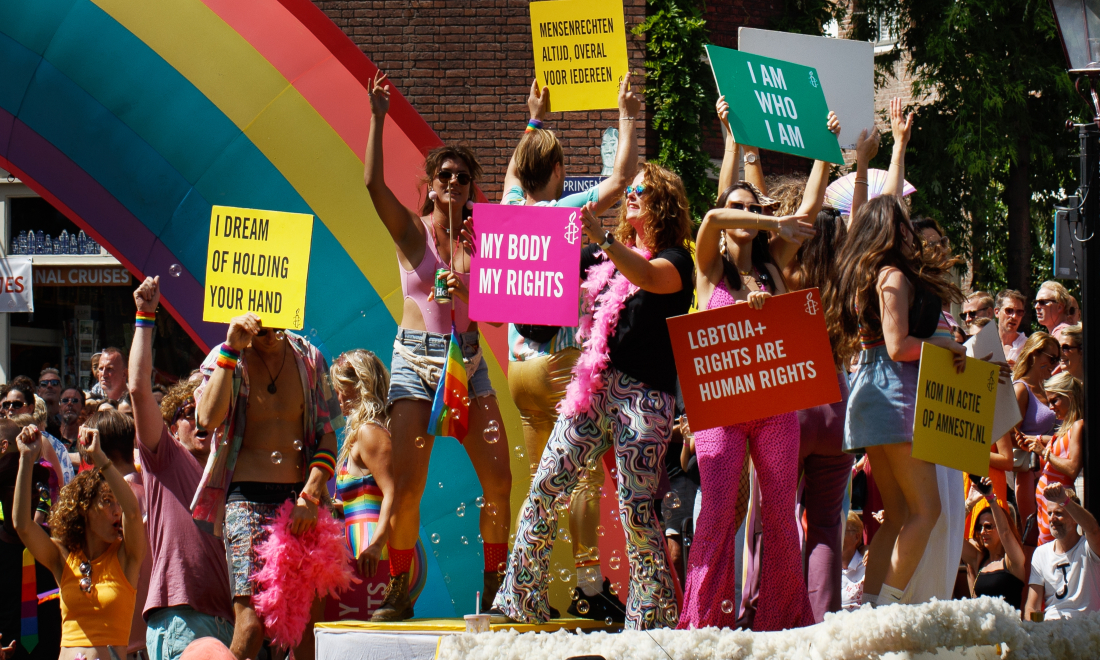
point(228, 357)
point(145, 319)
point(628, 118)
point(533, 124)
point(309, 497)
point(863, 181)
point(325, 461)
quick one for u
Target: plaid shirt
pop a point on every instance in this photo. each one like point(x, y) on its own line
point(322, 416)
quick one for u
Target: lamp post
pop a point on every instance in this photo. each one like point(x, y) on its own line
point(1079, 29)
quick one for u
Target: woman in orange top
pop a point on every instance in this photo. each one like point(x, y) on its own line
point(96, 550)
point(1063, 452)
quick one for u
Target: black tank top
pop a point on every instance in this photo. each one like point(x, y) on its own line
point(1000, 583)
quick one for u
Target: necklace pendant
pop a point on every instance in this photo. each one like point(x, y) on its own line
point(271, 388)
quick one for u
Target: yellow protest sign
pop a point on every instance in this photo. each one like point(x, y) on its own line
point(953, 425)
point(580, 52)
point(257, 261)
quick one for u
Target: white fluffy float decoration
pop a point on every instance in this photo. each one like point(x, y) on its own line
point(864, 633)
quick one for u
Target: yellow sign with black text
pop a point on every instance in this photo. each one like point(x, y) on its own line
point(257, 261)
point(953, 423)
point(580, 52)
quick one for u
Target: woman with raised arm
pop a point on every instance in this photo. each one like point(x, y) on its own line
point(428, 247)
point(621, 398)
point(96, 549)
point(994, 555)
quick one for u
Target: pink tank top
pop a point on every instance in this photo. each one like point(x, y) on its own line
point(420, 281)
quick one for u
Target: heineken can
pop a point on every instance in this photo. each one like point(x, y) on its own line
point(442, 294)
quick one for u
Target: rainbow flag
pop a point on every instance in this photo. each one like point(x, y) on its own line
point(28, 629)
point(451, 407)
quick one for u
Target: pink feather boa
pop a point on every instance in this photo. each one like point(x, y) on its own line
point(594, 330)
point(296, 569)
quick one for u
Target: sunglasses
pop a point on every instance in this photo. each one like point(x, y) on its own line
point(1045, 302)
point(187, 412)
point(751, 208)
point(70, 400)
point(969, 315)
point(53, 382)
point(462, 178)
point(10, 405)
point(985, 527)
point(86, 580)
point(943, 242)
point(1066, 348)
point(1056, 357)
point(1011, 311)
point(637, 190)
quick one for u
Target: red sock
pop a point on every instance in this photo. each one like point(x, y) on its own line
point(495, 555)
point(400, 560)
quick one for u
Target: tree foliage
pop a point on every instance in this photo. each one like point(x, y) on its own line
point(678, 92)
point(990, 150)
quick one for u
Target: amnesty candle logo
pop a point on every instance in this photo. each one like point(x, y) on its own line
point(572, 232)
point(811, 304)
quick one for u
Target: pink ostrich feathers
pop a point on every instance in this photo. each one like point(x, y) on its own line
point(296, 569)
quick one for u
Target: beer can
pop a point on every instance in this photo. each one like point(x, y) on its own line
point(442, 294)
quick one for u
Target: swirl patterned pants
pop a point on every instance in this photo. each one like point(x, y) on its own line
point(636, 422)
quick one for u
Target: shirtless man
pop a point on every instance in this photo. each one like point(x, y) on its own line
point(277, 442)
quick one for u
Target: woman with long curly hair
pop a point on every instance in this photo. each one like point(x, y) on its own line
point(95, 553)
point(621, 398)
point(364, 476)
point(886, 300)
point(427, 244)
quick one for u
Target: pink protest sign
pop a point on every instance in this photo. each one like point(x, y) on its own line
point(527, 265)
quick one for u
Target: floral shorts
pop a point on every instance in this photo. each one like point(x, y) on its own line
point(244, 528)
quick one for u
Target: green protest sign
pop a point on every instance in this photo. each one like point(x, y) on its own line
point(774, 105)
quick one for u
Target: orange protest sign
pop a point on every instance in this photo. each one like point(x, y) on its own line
point(737, 364)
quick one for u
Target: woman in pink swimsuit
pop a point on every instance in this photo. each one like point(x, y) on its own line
point(424, 243)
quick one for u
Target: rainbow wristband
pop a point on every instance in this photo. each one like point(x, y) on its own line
point(532, 125)
point(228, 357)
point(145, 319)
point(325, 461)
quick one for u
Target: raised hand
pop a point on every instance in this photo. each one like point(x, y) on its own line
point(1056, 493)
point(89, 442)
point(242, 329)
point(900, 124)
point(147, 296)
point(380, 95)
point(833, 123)
point(795, 228)
point(467, 237)
point(538, 101)
point(630, 104)
point(723, 109)
point(592, 226)
point(29, 442)
point(867, 145)
point(7, 651)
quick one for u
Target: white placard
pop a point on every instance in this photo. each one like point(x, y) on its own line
point(16, 284)
point(846, 68)
point(986, 345)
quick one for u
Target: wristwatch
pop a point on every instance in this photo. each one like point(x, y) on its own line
point(608, 240)
point(750, 159)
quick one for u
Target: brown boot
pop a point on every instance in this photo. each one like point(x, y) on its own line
point(493, 580)
point(397, 606)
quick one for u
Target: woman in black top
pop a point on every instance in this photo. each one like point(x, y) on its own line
point(621, 398)
point(994, 556)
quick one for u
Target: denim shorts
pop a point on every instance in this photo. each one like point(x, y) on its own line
point(406, 383)
point(170, 629)
point(882, 401)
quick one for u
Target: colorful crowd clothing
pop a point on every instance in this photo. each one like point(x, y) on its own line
point(1038, 420)
point(418, 360)
point(362, 500)
point(250, 510)
point(419, 282)
point(321, 417)
point(189, 565)
point(519, 347)
point(774, 445)
point(102, 617)
point(635, 421)
point(1051, 475)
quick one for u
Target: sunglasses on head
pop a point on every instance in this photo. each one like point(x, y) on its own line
point(53, 382)
point(11, 405)
point(69, 400)
point(461, 177)
point(751, 208)
point(637, 190)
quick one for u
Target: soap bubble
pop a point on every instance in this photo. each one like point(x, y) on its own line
point(519, 452)
point(492, 432)
point(502, 568)
point(465, 400)
point(727, 606)
point(175, 270)
point(671, 501)
point(440, 484)
point(592, 464)
point(298, 445)
point(465, 541)
point(480, 539)
point(609, 621)
point(435, 538)
point(276, 457)
point(582, 606)
point(594, 554)
point(461, 510)
point(600, 530)
point(491, 509)
point(419, 442)
point(565, 574)
point(564, 535)
point(447, 579)
point(614, 589)
point(670, 612)
point(614, 563)
point(479, 501)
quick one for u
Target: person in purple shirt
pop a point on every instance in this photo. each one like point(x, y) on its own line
point(189, 587)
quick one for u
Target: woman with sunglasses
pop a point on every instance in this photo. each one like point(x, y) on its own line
point(95, 552)
point(1072, 361)
point(993, 554)
point(621, 398)
point(1034, 366)
point(428, 244)
point(1063, 452)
